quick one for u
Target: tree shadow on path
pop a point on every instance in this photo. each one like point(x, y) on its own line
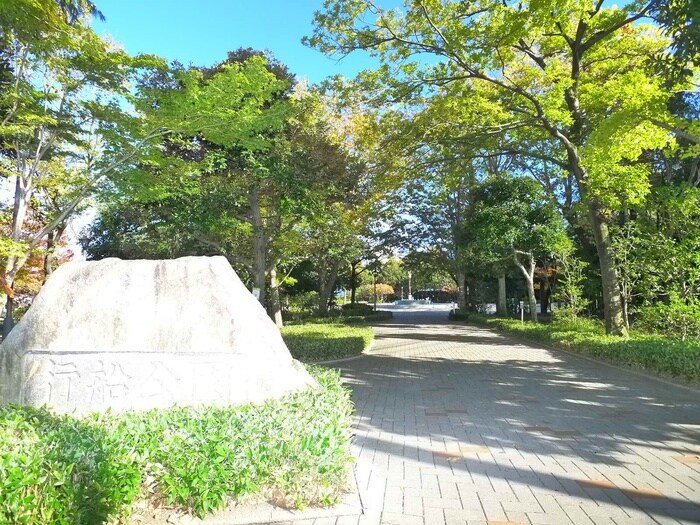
point(615, 437)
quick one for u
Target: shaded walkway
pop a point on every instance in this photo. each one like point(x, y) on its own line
point(457, 424)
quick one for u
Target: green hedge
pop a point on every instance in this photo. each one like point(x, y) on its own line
point(83, 471)
point(371, 317)
point(654, 353)
point(326, 341)
point(344, 316)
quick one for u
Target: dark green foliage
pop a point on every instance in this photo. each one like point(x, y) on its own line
point(649, 352)
point(326, 341)
point(357, 309)
point(371, 317)
point(680, 19)
point(65, 470)
point(459, 315)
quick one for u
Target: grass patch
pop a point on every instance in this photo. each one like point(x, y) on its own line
point(85, 471)
point(654, 353)
point(325, 341)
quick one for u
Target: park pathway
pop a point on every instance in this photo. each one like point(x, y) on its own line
point(457, 424)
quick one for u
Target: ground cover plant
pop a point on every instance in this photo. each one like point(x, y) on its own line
point(654, 353)
point(83, 471)
point(325, 341)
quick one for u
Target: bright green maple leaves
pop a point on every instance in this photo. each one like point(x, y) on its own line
point(239, 106)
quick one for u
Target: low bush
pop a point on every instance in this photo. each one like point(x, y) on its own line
point(357, 309)
point(346, 316)
point(85, 471)
point(371, 317)
point(326, 341)
point(303, 302)
point(654, 353)
point(677, 319)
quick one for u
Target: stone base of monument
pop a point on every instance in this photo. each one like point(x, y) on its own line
point(86, 382)
point(136, 335)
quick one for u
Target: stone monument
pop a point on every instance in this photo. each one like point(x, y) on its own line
point(134, 335)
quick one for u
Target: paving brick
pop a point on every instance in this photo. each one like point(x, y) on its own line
point(457, 424)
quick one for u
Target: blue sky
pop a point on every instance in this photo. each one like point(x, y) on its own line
point(203, 31)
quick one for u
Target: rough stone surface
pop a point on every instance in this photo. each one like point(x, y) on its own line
point(145, 334)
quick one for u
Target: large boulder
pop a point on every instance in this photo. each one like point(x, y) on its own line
point(133, 335)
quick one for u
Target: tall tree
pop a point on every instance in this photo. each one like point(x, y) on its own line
point(512, 218)
point(63, 92)
point(575, 76)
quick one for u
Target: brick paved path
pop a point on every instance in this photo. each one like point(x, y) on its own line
point(459, 425)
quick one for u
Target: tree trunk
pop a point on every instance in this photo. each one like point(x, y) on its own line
point(625, 313)
point(529, 274)
point(275, 305)
point(259, 244)
point(544, 296)
point(501, 306)
point(375, 292)
point(23, 193)
point(49, 256)
point(353, 281)
point(52, 239)
point(461, 292)
point(531, 299)
point(326, 287)
point(8, 324)
point(612, 301)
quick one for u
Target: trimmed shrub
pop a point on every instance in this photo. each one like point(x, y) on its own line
point(357, 309)
point(85, 471)
point(326, 341)
point(371, 317)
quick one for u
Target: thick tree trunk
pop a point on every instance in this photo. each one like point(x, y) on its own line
point(259, 244)
point(461, 292)
point(326, 287)
point(612, 301)
point(501, 306)
point(275, 305)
